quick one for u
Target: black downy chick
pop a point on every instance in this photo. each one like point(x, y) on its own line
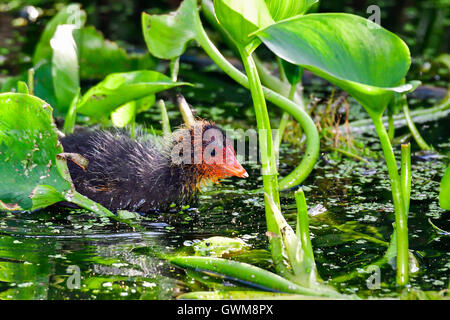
point(146, 174)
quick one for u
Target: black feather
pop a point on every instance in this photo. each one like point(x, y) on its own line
point(130, 174)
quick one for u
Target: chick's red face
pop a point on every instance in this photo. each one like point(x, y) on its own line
point(221, 161)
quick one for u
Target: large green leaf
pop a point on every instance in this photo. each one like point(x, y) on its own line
point(444, 194)
point(120, 88)
point(100, 57)
point(28, 152)
point(65, 70)
point(242, 18)
point(166, 36)
point(72, 14)
point(33, 174)
point(356, 54)
point(283, 9)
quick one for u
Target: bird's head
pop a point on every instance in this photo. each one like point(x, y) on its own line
point(205, 148)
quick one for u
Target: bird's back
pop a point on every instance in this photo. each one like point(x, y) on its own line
point(124, 173)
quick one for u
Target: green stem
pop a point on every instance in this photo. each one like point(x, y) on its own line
point(406, 175)
point(30, 81)
point(401, 225)
point(312, 135)
point(174, 68)
point(268, 158)
point(412, 127)
point(164, 118)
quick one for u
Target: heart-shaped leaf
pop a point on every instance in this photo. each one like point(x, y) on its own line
point(242, 18)
point(356, 54)
point(166, 36)
point(444, 194)
point(33, 175)
point(120, 88)
point(100, 57)
point(283, 9)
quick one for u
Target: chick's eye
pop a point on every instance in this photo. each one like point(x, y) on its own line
point(213, 153)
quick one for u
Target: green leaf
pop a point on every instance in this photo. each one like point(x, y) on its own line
point(240, 271)
point(65, 75)
point(356, 54)
point(33, 175)
point(28, 152)
point(283, 9)
point(444, 194)
point(167, 36)
point(71, 115)
point(100, 57)
point(249, 275)
point(72, 14)
point(124, 115)
point(120, 88)
point(293, 72)
point(242, 18)
point(43, 84)
point(22, 87)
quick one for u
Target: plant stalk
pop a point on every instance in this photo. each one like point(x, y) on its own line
point(406, 175)
point(401, 225)
point(268, 157)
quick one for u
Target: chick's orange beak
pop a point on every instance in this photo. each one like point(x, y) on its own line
point(232, 167)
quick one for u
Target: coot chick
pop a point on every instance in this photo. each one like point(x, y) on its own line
point(150, 173)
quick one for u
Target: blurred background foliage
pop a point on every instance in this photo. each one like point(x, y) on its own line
point(424, 25)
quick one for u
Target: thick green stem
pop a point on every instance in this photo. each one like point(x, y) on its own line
point(268, 157)
point(312, 135)
point(406, 175)
point(412, 127)
point(401, 225)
